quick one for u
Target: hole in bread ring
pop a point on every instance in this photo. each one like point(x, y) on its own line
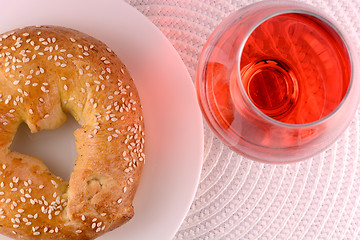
point(46, 72)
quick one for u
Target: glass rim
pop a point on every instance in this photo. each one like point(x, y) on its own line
point(312, 13)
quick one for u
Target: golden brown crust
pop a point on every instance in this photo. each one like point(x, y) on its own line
point(47, 71)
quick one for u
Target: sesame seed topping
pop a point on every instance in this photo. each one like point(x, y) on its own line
point(54, 183)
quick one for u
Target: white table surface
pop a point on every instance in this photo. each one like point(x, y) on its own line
point(240, 199)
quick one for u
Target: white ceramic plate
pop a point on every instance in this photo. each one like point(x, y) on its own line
point(173, 120)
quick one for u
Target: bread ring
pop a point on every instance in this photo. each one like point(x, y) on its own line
point(46, 71)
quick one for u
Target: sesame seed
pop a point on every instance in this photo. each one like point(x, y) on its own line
point(65, 87)
point(31, 111)
point(119, 200)
point(54, 183)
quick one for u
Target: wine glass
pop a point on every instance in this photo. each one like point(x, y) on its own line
point(278, 82)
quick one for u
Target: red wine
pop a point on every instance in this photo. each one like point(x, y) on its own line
point(269, 78)
point(295, 69)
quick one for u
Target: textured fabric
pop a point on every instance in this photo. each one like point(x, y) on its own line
point(240, 199)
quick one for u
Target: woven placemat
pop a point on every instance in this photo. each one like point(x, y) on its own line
point(240, 199)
